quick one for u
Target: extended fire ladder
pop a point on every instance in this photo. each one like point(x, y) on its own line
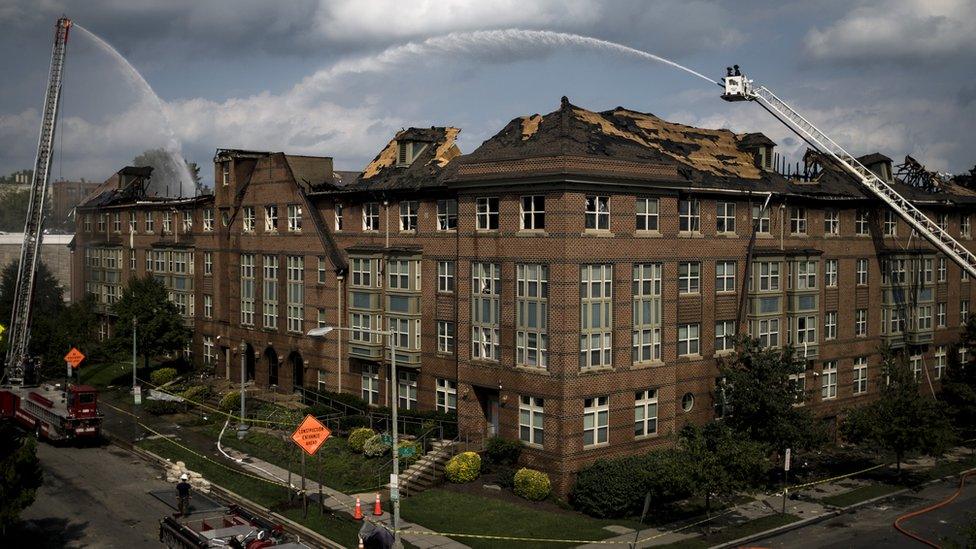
point(27, 270)
point(739, 88)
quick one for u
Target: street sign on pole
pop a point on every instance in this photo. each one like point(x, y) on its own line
point(74, 357)
point(786, 461)
point(137, 394)
point(310, 435)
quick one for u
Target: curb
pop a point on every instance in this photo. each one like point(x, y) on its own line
point(835, 512)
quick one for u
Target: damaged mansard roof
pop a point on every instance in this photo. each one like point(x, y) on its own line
point(438, 148)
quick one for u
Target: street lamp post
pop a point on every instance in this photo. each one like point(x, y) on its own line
point(394, 494)
point(135, 382)
point(242, 426)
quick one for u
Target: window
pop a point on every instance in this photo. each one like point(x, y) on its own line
point(320, 321)
point(248, 220)
point(798, 383)
point(296, 292)
point(915, 362)
point(88, 223)
point(209, 356)
point(102, 221)
point(271, 218)
point(225, 173)
point(806, 275)
point(806, 329)
point(445, 337)
point(132, 222)
point(940, 315)
point(648, 211)
point(117, 222)
point(646, 290)
point(942, 269)
point(760, 219)
point(485, 310)
point(132, 261)
point(295, 218)
point(371, 216)
point(768, 335)
point(725, 276)
point(321, 269)
point(596, 421)
point(337, 215)
point(597, 213)
point(271, 292)
point(487, 214)
point(861, 323)
point(689, 216)
point(689, 277)
point(533, 213)
point(408, 215)
point(532, 312)
point(890, 224)
point(860, 375)
point(943, 221)
point(208, 221)
point(447, 215)
point(446, 395)
point(645, 413)
point(831, 223)
point(962, 352)
point(963, 311)
point(362, 272)
point(187, 221)
point(167, 222)
point(247, 289)
point(407, 390)
point(687, 402)
point(398, 273)
point(724, 336)
point(207, 263)
point(830, 273)
point(725, 217)
point(371, 384)
point(964, 228)
point(768, 276)
point(596, 315)
point(828, 381)
point(927, 271)
point(688, 339)
point(361, 328)
point(445, 277)
point(531, 415)
point(940, 361)
point(924, 317)
point(798, 220)
point(861, 223)
point(862, 272)
point(830, 325)
point(207, 306)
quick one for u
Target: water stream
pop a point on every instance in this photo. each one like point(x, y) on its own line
point(175, 178)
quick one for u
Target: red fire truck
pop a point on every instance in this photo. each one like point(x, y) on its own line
point(52, 412)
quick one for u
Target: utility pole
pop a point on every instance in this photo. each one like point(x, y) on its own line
point(395, 485)
point(242, 426)
point(136, 392)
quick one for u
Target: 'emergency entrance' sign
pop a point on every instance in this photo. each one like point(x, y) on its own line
point(310, 435)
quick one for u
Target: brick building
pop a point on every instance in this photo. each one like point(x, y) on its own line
point(571, 282)
point(65, 195)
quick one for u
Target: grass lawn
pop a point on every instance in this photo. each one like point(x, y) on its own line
point(860, 494)
point(340, 528)
point(735, 532)
point(342, 469)
point(448, 511)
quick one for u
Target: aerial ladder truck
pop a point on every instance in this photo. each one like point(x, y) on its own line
point(53, 412)
point(739, 88)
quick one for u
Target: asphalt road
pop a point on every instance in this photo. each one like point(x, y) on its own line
point(870, 527)
point(93, 497)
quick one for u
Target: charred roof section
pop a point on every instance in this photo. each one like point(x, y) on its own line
point(126, 185)
point(414, 159)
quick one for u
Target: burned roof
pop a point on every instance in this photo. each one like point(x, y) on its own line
point(311, 172)
point(873, 158)
point(384, 173)
point(750, 140)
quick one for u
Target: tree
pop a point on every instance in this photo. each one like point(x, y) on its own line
point(20, 474)
point(160, 329)
point(165, 169)
point(959, 383)
point(718, 461)
point(759, 397)
point(13, 210)
point(901, 420)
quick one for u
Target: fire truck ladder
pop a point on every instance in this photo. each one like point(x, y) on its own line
point(27, 269)
point(739, 88)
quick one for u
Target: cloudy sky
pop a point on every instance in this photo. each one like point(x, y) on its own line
point(338, 77)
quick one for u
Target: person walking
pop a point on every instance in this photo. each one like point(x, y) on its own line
point(183, 495)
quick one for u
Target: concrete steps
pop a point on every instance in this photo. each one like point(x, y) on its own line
point(426, 471)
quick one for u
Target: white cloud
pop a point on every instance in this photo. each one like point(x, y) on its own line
point(897, 30)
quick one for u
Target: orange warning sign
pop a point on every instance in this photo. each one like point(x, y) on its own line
point(74, 357)
point(310, 435)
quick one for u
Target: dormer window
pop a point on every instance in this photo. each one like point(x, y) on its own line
point(766, 158)
point(408, 151)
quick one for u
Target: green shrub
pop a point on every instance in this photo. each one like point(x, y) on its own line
point(162, 407)
point(505, 477)
point(162, 376)
point(611, 488)
point(531, 484)
point(463, 467)
point(359, 436)
point(375, 446)
point(231, 401)
point(197, 393)
point(501, 451)
point(417, 451)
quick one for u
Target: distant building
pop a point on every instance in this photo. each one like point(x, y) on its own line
point(65, 195)
point(55, 255)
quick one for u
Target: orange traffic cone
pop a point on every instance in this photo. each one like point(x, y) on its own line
point(357, 513)
point(377, 509)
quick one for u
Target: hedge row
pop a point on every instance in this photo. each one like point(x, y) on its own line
point(611, 488)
